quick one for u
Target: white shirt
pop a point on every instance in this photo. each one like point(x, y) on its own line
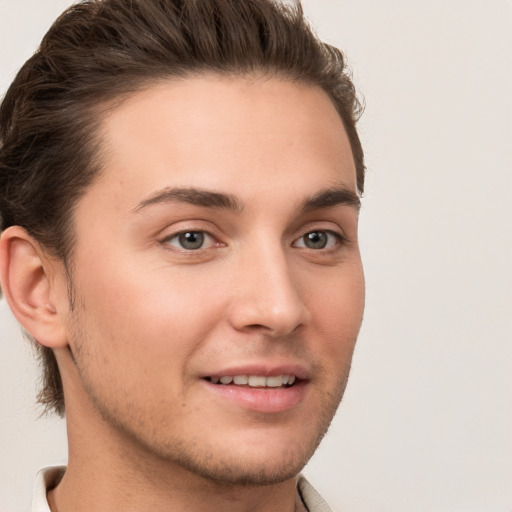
point(48, 477)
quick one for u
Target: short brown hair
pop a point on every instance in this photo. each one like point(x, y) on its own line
point(100, 50)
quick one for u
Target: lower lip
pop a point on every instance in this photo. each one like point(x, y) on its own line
point(267, 400)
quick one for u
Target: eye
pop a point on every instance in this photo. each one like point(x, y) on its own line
point(191, 240)
point(318, 239)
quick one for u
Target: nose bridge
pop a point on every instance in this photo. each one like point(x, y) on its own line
point(268, 296)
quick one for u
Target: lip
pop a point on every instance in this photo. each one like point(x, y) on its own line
point(261, 400)
point(262, 370)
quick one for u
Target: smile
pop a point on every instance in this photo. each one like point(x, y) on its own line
point(255, 381)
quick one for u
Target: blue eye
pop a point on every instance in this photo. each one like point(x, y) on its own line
point(318, 239)
point(191, 240)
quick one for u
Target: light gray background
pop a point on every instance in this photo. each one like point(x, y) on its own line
point(426, 423)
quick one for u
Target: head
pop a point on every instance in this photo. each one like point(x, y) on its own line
point(68, 124)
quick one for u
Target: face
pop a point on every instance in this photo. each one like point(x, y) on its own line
point(217, 277)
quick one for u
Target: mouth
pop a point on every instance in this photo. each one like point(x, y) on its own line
point(258, 389)
point(255, 381)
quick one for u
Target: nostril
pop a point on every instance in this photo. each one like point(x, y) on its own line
point(255, 327)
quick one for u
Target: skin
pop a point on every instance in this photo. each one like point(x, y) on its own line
point(151, 319)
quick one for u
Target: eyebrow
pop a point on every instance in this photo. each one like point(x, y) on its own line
point(194, 196)
point(326, 198)
point(330, 197)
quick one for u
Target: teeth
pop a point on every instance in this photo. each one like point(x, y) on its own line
point(274, 382)
point(256, 381)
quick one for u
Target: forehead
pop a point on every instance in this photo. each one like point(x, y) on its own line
point(250, 134)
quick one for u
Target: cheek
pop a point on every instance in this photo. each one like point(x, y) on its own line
point(154, 310)
point(337, 309)
point(144, 331)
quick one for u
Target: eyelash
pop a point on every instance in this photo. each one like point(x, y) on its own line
point(339, 241)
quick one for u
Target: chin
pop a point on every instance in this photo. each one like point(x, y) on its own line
point(262, 460)
point(249, 471)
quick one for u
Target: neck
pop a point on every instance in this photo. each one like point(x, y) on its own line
point(107, 472)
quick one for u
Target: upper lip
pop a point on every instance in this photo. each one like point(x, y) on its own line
point(264, 370)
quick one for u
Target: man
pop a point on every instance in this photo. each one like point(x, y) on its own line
point(180, 193)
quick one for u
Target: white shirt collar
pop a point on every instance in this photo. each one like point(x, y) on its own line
point(46, 479)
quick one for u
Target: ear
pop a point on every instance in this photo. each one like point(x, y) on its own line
point(32, 287)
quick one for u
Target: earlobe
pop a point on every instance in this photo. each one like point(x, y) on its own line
point(27, 282)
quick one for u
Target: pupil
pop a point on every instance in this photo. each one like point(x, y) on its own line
point(315, 240)
point(192, 240)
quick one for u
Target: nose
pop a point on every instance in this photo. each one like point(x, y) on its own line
point(267, 296)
